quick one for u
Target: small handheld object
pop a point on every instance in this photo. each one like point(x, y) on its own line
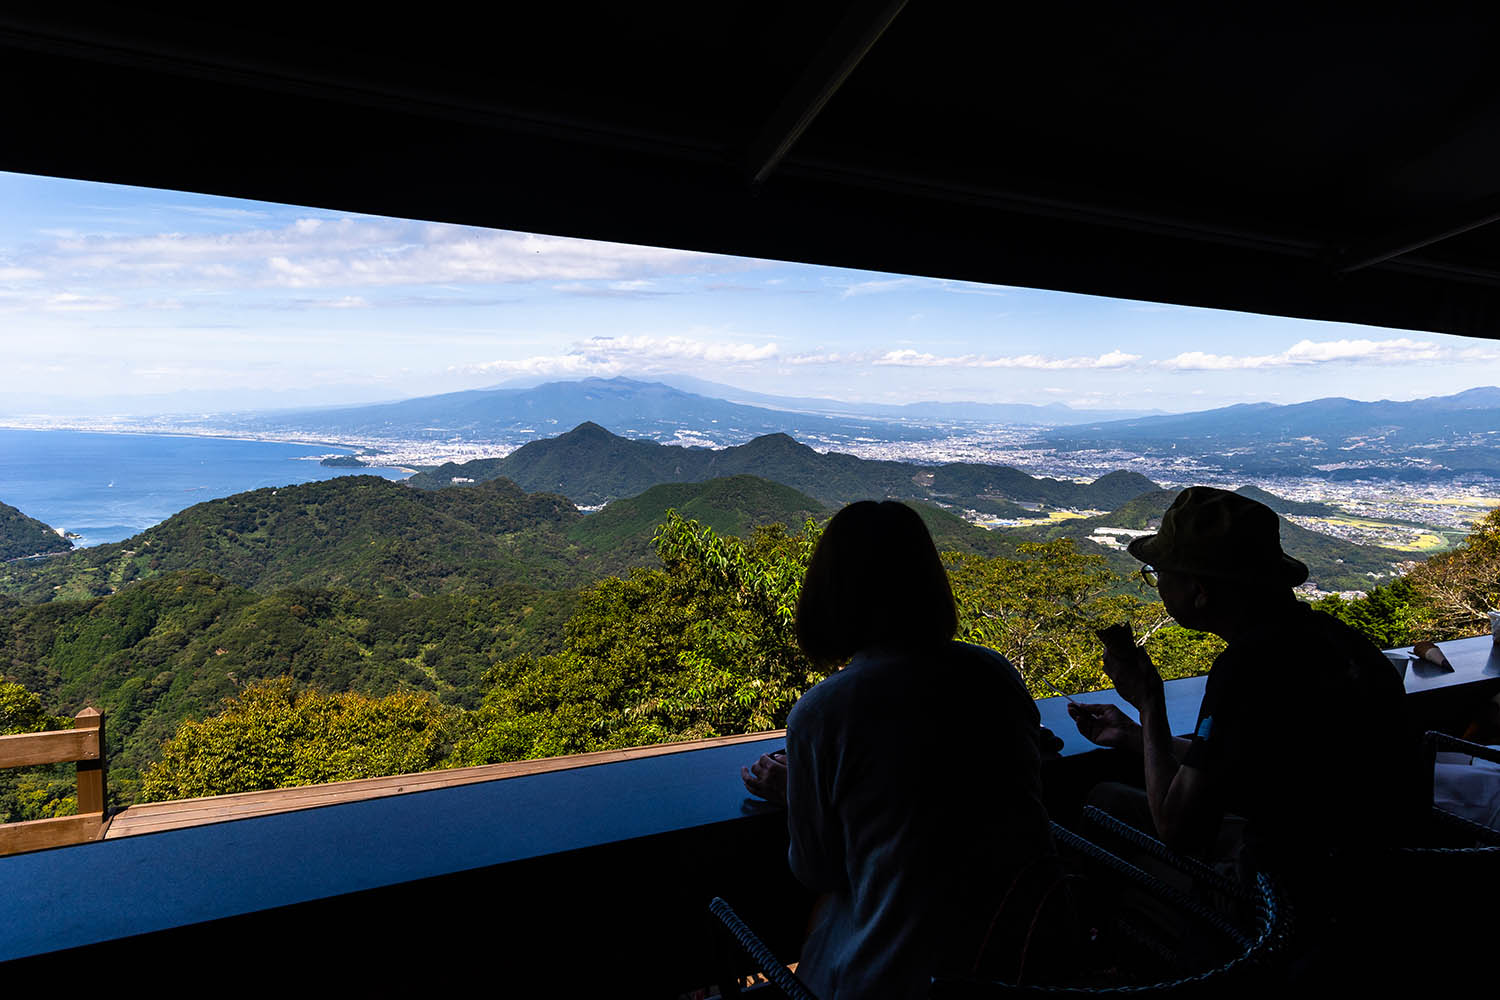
point(1118, 639)
point(1059, 690)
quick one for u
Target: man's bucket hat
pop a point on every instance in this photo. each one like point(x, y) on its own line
point(1209, 532)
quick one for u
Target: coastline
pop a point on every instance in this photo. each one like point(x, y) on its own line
point(405, 455)
point(96, 484)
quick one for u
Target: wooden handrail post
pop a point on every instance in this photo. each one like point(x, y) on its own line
point(91, 773)
point(82, 745)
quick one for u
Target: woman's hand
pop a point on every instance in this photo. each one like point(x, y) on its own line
point(767, 777)
point(1106, 725)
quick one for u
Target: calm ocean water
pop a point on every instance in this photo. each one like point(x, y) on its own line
point(107, 487)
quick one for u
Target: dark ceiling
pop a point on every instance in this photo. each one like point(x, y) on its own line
point(1261, 158)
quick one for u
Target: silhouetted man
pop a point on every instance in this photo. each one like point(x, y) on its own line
point(1302, 727)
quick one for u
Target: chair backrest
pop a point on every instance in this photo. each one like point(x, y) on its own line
point(83, 745)
point(1258, 942)
point(1264, 938)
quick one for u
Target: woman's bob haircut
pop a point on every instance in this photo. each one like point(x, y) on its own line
point(874, 581)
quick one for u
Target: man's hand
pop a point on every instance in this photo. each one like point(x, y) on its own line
point(1134, 675)
point(767, 777)
point(1106, 725)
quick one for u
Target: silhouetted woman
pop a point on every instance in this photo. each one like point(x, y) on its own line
point(913, 775)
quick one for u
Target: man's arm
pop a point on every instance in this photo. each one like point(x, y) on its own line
point(1183, 806)
point(1106, 725)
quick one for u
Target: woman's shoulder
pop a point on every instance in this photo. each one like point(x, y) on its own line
point(996, 670)
point(959, 669)
point(981, 655)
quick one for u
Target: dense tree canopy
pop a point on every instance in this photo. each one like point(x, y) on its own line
point(273, 735)
point(1456, 589)
point(704, 646)
point(1042, 609)
point(1446, 597)
point(213, 688)
point(33, 792)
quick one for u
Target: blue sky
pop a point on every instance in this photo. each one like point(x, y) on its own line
point(150, 299)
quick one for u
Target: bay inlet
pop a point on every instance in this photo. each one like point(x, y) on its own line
point(106, 487)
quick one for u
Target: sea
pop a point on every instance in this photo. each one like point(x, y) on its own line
point(107, 487)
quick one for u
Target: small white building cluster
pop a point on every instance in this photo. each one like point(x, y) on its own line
point(1117, 538)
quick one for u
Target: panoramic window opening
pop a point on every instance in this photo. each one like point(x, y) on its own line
point(294, 496)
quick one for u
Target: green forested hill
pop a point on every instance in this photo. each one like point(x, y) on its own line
point(986, 483)
point(590, 466)
point(834, 478)
point(26, 536)
point(951, 533)
point(1333, 564)
point(368, 534)
point(361, 532)
point(619, 537)
point(620, 534)
point(173, 647)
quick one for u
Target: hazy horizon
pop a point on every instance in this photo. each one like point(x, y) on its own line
point(197, 404)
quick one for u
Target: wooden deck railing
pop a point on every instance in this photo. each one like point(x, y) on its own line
point(83, 744)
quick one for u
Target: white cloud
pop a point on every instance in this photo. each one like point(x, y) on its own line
point(19, 274)
point(974, 288)
point(323, 253)
point(189, 373)
point(1396, 351)
point(634, 289)
point(1399, 351)
point(878, 285)
point(909, 358)
point(73, 302)
point(1199, 361)
point(678, 349)
point(612, 355)
point(833, 358)
point(548, 364)
point(215, 212)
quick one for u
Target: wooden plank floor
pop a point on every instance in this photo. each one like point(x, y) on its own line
point(155, 817)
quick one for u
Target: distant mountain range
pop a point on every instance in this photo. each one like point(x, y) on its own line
point(590, 465)
point(1335, 439)
point(679, 407)
point(642, 409)
point(1048, 415)
point(1437, 437)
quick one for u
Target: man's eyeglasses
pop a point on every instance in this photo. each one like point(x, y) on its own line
point(1148, 574)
